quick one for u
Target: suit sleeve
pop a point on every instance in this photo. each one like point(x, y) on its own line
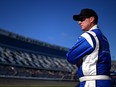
point(84, 46)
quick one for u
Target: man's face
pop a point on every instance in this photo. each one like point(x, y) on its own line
point(86, 23)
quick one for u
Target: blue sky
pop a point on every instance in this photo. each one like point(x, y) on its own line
point(51, 20)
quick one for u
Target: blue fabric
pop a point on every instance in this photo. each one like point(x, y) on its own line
point(79, 50)
point(104, 83)
point(104, 62)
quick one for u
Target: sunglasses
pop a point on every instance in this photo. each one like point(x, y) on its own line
point(82, 19)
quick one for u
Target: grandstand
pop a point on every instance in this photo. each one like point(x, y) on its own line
point(22, 57)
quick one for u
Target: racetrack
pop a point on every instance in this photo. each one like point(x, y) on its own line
point(31, 82)
point(10, 82)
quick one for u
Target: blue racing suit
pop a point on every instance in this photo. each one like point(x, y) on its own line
point(92, 56)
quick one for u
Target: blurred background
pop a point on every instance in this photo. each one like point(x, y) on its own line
point(35, 36)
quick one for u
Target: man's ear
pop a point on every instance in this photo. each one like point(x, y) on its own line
point(92, 19)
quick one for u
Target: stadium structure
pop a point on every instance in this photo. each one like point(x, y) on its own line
point(26, 58)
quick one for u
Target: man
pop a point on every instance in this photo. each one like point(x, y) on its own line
point(91, 52)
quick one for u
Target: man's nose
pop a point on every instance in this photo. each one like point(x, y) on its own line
point(79, 22)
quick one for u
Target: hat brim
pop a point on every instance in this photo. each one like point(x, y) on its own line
point(76, 17)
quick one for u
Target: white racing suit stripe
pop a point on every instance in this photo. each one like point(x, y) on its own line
point(90, 62)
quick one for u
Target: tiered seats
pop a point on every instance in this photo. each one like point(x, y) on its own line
point(22, 63)
point(113, 66)
point(19, 58)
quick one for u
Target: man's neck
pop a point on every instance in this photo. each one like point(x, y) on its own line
point(94, 27)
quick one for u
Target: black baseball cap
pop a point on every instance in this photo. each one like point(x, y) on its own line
point(85, 13)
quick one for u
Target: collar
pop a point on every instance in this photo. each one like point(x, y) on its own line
point(94, 27)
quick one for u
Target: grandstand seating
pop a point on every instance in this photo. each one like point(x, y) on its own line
point(22, 57)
